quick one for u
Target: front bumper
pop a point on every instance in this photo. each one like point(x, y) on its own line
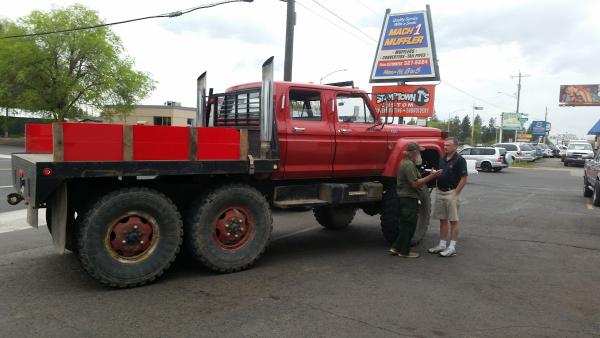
point(578, 160)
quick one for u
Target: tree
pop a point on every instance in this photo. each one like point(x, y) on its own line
point(12, 56)
point(477, 129)
point(465, 130)
point(455, 127)
point(63, 73)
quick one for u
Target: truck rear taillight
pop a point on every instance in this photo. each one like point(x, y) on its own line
point(499, 160)
point(47, 172)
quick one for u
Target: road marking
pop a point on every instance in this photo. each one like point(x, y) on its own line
point(17, 220)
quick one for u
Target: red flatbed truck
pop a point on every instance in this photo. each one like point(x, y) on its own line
point(124, 199)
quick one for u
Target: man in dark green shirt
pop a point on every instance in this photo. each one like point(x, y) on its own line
point(408, 183)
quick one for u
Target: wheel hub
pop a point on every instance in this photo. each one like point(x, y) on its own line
point(232, 227)
point(131, 236)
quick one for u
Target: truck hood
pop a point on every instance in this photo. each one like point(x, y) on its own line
point(395, 130)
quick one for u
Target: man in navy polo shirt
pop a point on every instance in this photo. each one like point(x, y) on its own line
point(447, 203)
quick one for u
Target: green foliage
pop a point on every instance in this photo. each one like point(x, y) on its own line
point(465, 130)
point(62, 73)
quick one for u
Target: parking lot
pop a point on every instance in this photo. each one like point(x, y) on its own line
point(527, 265)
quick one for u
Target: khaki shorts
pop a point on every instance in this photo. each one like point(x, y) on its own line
point(446, 205)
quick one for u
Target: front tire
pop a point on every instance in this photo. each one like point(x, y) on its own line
point(587, 192)
point(596, 195)
point(335, 218)
point(129, 237)
point(390, 217)
point(229, 228)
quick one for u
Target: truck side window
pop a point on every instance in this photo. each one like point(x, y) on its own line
point(353, 109)
point(305, 105)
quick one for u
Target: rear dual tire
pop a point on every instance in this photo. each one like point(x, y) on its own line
point(229, 228)
point(129, 237)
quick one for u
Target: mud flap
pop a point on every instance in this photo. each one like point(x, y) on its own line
point(58, 218)
point(32, 216)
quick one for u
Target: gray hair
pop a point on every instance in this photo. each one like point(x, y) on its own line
point(453, 139)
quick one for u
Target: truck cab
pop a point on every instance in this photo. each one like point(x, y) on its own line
point(326, 131)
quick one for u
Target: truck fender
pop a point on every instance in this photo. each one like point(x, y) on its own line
point(393, 161)
point(58, 218)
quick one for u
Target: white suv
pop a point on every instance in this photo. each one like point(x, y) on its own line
point(519, 151)
point(488, 158)
point(578, 152)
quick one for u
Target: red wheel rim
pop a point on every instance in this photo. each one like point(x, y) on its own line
point(132, 237)
point(233, 227)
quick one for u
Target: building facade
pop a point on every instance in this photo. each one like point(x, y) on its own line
point(169, 114)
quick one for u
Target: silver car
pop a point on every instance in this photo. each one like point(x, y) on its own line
point(519, 151)
point(488, 158)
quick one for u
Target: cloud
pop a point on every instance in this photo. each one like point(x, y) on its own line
point(222, 28)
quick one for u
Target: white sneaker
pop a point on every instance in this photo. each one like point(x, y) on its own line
point(437, 249)
point(449, 252)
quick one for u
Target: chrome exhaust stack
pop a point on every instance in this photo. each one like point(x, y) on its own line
point(266, 108)
point(201, 101)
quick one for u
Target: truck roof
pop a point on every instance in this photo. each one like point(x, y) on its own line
point(286, 84)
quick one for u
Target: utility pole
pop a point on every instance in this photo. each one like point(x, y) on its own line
point(520, 76)
point(545, 122)
point(289, 39)
point(501, 126)
point(473, 121)
point(6, 124)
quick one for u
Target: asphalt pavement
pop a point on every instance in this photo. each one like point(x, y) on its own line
point(527, 266)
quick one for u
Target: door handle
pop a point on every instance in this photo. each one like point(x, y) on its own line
point(345, 131)
point(299, 130)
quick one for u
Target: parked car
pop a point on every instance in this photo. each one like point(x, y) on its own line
point(578, 153)
point(555, 150)
point(562, 151)
point(519, 151)
point(539, 152)
point(488, 158)
point(591, 179)
point(546, 151)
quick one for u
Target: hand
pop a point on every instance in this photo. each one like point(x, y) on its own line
point(437, 173)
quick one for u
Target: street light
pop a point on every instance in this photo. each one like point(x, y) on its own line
point(335, 71)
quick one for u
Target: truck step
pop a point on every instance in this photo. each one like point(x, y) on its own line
point(298, 202)
point(327, 193)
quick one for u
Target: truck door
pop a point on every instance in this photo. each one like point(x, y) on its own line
point(309, 135)
point(360, 148)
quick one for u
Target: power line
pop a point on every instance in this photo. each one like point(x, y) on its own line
point(164, 15)
point(344, 20)
point(335, 24)
point(473, 96)
point(367, 7)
